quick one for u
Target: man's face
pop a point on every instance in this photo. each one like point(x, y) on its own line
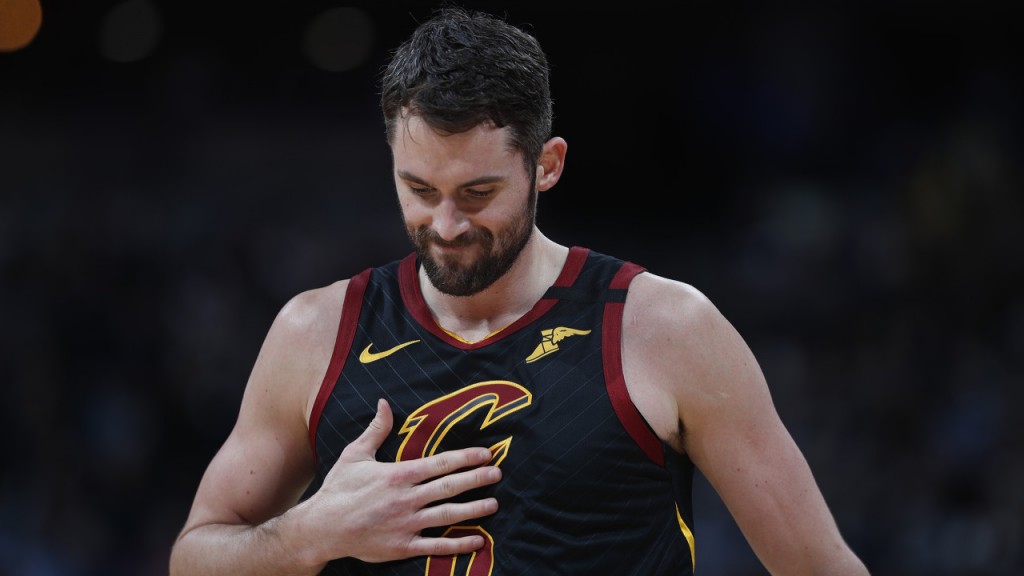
point(469, 207)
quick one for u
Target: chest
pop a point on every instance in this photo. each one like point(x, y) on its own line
point(537, 387)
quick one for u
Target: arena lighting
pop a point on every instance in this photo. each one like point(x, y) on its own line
point(339, 39)
point(130, 31)
point(20, 21)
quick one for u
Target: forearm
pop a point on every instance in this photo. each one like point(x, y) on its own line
point(851, 565)
point(273, 548)
point(843, 563)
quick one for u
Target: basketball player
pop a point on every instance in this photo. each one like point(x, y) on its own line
point(496, 403)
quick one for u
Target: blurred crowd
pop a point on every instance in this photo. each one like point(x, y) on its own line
point(844, 182)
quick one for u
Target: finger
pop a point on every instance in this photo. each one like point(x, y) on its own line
point(366, 445)
point(452, 485)
point(451, 513)
point(445, 546)
point(446, 463)
point(382, 422)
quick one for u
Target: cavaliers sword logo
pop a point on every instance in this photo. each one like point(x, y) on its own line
point(550, 339)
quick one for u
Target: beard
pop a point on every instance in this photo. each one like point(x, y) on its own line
point(499, 253)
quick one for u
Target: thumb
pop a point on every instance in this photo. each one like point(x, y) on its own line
point(366, 445)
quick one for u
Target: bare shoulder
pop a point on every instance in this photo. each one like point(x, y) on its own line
point(682, 358)
point(309, 313)
point(667, 303)
point(665, 315)
point(300, 342)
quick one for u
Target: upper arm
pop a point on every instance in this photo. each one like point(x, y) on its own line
point(712, 401)
point(266, 463)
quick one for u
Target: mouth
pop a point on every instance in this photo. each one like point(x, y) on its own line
point(458, 244)
point(454, 252)
point(450, 250)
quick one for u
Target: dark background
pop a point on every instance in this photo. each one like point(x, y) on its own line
point(843, 181)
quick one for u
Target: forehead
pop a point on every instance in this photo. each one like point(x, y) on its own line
point(421, 150)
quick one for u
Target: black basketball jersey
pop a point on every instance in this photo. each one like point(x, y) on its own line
point(587, 487)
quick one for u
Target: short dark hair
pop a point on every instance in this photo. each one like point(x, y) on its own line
point(462, 68)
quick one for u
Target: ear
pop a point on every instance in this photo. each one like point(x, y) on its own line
point(551, 163)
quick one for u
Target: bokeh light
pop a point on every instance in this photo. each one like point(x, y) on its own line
point(131, 31)
point(20, 21)
point(339, 39)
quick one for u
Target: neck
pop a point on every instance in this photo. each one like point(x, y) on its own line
point(473, 318)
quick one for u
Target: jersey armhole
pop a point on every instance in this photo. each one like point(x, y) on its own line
point(342, 344)
point(627, 412)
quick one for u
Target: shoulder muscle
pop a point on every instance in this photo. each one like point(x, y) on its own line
point(680, 348)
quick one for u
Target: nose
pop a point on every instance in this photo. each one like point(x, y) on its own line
point(449, 220)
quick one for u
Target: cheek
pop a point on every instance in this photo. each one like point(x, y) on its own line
point(409, 209)
point(415, 216)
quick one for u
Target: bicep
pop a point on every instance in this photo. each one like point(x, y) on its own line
point(255, 475)
point(701, 388)
point(765, 482)
point(267, 462)
point(736, 438)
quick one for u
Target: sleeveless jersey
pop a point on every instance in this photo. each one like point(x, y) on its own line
point(587, 487)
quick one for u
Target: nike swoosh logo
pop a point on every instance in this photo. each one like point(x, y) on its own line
point(366, 356)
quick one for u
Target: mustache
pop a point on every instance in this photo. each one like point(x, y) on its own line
point(426, 235)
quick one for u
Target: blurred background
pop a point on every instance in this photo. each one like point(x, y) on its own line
point(843, 180)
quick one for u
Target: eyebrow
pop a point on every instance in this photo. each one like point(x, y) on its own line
point(483, 180)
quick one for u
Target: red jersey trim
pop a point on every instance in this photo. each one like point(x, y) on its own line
point(615, 382)
point(342, 344)
point(408, 281)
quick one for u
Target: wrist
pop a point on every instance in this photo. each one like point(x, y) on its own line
point(294, 539)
